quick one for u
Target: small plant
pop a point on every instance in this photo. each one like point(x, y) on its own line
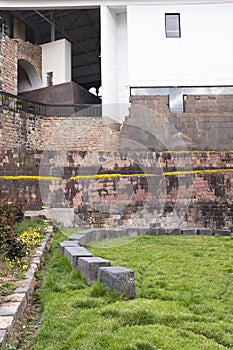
point(5, 100)
point(10, 213)
point(19, 103)
point(30, 107)
point(18, 247)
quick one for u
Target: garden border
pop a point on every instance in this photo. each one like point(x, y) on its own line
point(11, 311)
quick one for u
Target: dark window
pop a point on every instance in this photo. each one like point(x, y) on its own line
point(172, 25)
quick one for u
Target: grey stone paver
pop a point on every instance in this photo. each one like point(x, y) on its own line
point(2, 335)
point(6, 322)
point(9, 309)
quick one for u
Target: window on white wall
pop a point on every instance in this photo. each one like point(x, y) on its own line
point(49, 78)
point(172, 25)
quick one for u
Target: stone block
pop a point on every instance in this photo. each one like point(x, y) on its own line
point(74, 253)
point(89, 267)
point(27, 288)
point(204, 232)
point(188, 231)
point(174, 231)
point(11, 309)
point(6, 322)
point(2, 336)
point(118, 279)
point(76, 237)
point(67, 244)
point(156, 231)
point(221, 232)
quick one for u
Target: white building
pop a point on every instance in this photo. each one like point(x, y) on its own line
point(140, 46)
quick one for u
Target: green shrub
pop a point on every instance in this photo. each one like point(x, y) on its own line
point(10, 213)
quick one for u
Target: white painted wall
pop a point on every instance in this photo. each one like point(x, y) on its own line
point(56, 58)
point(202, 56)
point(123, 68)
point(114, 56)
point(114, 63)
point(109, 55)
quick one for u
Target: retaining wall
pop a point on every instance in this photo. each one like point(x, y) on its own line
point(138, 173)
point(89, 182)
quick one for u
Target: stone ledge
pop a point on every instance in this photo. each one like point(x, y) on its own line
point(90, 235)
point(11, 311)
point(117, 278)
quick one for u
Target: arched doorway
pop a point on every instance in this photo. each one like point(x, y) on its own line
point(28, 77)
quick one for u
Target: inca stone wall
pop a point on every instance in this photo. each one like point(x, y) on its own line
point(201, 199)
point(206, 124)
point(123, 175)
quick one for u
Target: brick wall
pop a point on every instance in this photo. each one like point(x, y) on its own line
point(25, 131)
point(12, 51)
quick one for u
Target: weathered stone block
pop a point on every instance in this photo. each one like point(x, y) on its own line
point(6, 322)
point(220, 232)
point(204, 231)
point(89, 267)
point(188, 231)
point(67, 244)
point(119, 279)
point(76, 237)
point(2, 336)
point(74, 253)
point(174, 231)
point(156, 231)
point(11, 309)
point(27, 288)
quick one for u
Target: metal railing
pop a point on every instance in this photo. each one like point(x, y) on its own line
point(18, 103)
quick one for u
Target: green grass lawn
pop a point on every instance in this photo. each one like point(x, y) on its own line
point(184, 298)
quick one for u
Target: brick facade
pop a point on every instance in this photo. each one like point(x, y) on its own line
point(12, 51)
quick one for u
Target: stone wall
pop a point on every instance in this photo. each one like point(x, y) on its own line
point(24, 131)
point(89, 182)
point(12, 51)
point(222, 104)
point(130, 175)
point(207, 123)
